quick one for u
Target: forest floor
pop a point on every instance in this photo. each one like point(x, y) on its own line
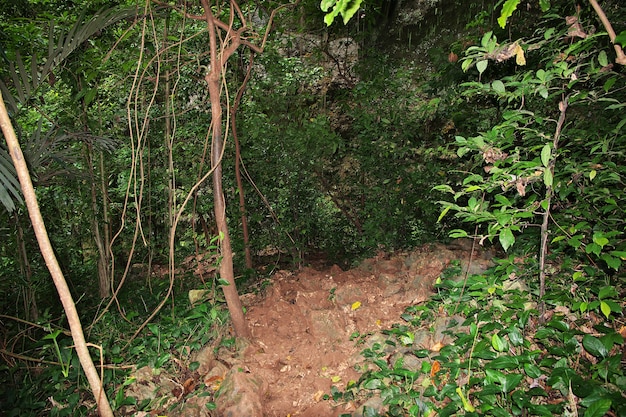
point(309, 328)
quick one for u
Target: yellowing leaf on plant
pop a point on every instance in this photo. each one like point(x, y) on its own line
point(335, 378)
point(467, 406)
point(356, 305)
point(520, 59)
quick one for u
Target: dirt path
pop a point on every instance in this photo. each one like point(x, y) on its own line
point(306, 324)
point(305, 329)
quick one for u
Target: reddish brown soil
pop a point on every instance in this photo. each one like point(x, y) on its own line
point(303, 325)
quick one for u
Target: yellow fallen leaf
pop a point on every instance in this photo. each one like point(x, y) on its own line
point(356, 305)
point(318, 396)
point(335, 378)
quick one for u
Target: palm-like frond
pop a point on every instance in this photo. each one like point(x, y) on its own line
point(9, 185)
point(27, 78)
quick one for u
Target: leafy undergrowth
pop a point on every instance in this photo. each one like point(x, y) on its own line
point(45, 378)
point(502, 358)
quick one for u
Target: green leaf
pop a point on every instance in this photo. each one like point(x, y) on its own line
point(503, 362)
point(547, 177)
point(546, 153)
point(327, 4)
point(605, 308)
point(544, 5)
point(532, 371)
point(611, 261)
point(498, 343)
point(52, 335)
point(516, 338)
point(507, 10)
point(443, 213)
point(506, 238)
point(481, 66)
point(598, 408)
point(607, 291)
point(600, 240)
point(373, 384)
point(498, 87)
point(621, 38)
point(594, 346)
point(511, 381)
point(602, 59)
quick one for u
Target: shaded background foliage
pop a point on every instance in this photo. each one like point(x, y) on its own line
point(336, 165)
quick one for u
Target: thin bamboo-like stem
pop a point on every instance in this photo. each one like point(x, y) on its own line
point(104, 408)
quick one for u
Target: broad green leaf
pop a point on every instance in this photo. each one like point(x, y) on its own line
point(484, 42)
point(532, 371)
point(466, 64)
point(506, 238)
point(495, 376)
point(507, 10)
point(592, 174)
point(598, 408)
point(516, 338)
point(603, 59)
point(373, 384)
point(607, 291)
point(511, 382)
point(503, 362)
point(600, 240)
point(546, 153)
point(498, 343)
point(609, 83)
point(611, 261)
point(605, 308)
point(481, 66)
point(621, 38)
point(498, 87)
point(547, 177)
point(594, 346)
point(544, 5)
point(326, 4)
point(503, 200)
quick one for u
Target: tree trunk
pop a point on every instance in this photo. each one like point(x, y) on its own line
point(104, 408)
point(213, 79)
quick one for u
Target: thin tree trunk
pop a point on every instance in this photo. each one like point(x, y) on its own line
point(104, 408)
point(543, 247)
point(213, 79)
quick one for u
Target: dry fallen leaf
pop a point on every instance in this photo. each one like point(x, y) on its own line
point(318, 396)
point(436, 367)
point(436, 347)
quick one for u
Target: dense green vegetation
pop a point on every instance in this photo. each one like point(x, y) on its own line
point(508, 132)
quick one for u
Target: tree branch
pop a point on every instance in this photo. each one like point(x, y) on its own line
point(621, 58)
